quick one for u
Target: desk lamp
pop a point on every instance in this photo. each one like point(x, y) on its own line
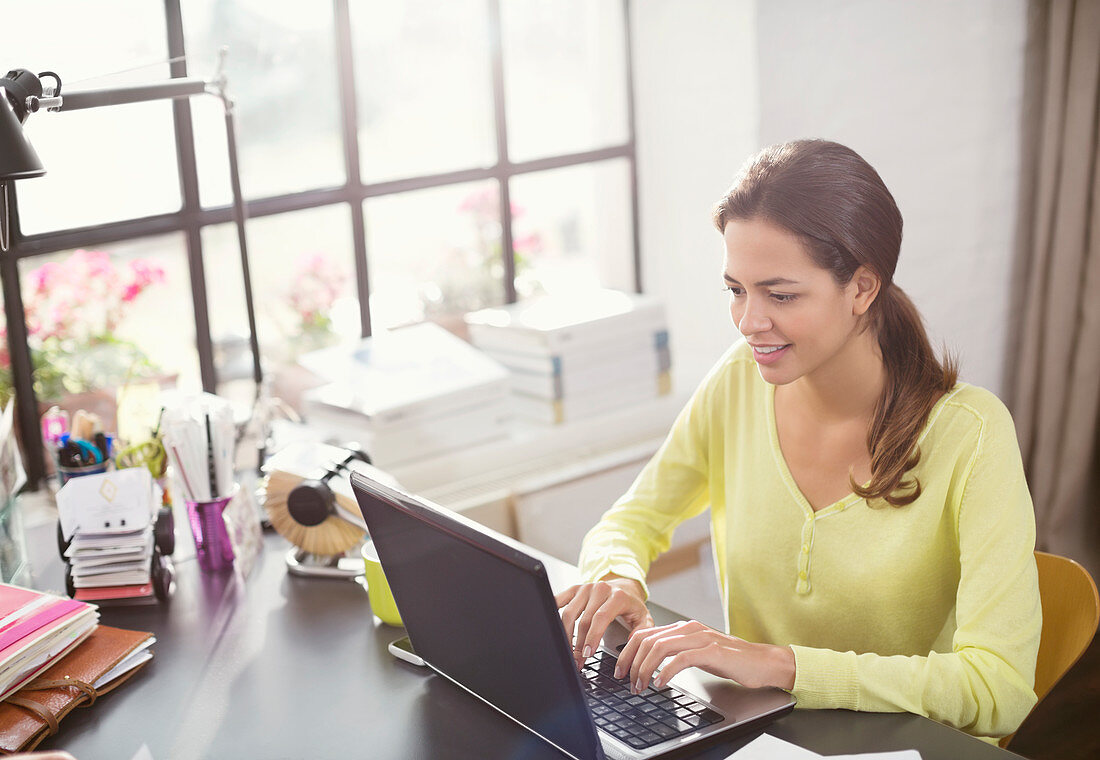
point(24, 95)
point(17, 158)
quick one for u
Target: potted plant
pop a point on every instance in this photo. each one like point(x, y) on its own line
point(73, 310)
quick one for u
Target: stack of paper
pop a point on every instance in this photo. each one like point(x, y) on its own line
point(577, 356)
point(36, 629)
point(114, 564)
point(107, 520)
point(407, 394)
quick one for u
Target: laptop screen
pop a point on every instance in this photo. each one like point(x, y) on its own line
point(481, 613)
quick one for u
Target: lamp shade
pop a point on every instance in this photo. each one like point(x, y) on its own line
point(17, 158)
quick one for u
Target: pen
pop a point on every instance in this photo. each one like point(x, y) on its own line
point(210, 460)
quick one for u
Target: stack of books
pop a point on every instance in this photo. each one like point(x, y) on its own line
point(49, 646)
point(107, 524)
point(407, 394)
point(574, 357)
point(35, 630)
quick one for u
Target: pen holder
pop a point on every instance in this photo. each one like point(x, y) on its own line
point(212, 545)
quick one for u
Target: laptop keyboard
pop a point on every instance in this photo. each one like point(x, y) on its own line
point(639, 720)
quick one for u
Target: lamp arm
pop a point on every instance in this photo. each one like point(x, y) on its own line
point(114, 96)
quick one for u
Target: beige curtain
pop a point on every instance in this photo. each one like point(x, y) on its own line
point(1055, 382)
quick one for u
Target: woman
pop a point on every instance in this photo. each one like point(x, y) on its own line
point(872, 527)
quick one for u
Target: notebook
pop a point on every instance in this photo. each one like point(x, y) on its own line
point(481, 613)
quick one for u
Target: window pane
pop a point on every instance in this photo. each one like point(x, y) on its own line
point(93, 173)
point(97, 319)
point(434, 253)
point(573, 228)
point(281, 74)
point(564, 76)
point(424, 87)
point(303, 283)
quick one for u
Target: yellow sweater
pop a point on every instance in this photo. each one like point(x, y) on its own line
point(932, 608)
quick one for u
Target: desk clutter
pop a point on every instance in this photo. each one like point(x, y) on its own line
point(571, 358)
point(114, 531)
point(116, 525)
point(54, 656)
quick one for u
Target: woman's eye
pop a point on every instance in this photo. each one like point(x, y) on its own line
point(734, 290)
point(784, 297)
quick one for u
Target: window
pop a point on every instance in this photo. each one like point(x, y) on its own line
point(573, 228)
point(303, 282)
point(400, 161)
point(423, 84)
point(434, 252)
point(281, 71)
point(565, 76)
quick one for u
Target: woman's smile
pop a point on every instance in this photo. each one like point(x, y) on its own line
point(769, 354)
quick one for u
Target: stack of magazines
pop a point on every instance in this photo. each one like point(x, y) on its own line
point(577, 356)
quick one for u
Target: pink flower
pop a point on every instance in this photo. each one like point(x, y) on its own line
point(95, 263)
point(480, 201)
point(85, 297)
point(42, 277)
point(146, 273)
point(132, 291)
point(318, 282)
point(531, 243)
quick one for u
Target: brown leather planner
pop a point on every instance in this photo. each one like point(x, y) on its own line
point(33, 713)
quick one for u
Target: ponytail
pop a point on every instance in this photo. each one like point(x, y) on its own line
point(915, 381)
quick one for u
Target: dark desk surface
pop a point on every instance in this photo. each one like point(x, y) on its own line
point(278, 666)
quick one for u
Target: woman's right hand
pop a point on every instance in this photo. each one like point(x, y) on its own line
point(589, 608)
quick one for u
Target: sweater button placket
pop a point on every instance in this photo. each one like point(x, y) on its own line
point(803, 584)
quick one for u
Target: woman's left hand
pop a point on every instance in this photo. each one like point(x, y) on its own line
point(690, 643)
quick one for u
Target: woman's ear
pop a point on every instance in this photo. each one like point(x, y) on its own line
point(867, 285)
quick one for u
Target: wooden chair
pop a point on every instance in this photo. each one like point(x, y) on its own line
point(1071, 611)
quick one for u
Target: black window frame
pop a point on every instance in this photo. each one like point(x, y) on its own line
point(192, 217)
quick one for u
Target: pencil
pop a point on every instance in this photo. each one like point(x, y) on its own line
point(183, 473)
point(214, 492)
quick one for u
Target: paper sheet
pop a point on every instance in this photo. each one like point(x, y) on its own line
point(768, 747)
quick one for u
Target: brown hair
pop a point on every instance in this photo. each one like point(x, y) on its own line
point(833, 200)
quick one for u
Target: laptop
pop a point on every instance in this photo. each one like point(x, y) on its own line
point(480, 612)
